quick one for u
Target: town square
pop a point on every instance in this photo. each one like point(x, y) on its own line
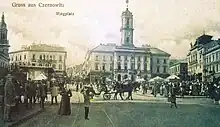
point(110, 63)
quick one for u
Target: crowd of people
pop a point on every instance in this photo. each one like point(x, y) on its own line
point(182, 88)
point(29, 93)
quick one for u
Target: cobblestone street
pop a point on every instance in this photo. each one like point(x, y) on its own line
point(130, 115)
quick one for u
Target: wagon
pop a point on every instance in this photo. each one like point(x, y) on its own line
point(108, 95)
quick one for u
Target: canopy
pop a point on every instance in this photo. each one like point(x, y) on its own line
point(53, 79)
point(172, 77)
point(140, 80)
point(156, 79)
point(41, 77)
point(108, 80)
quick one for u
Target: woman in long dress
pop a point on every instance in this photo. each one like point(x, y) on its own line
point(65, 108)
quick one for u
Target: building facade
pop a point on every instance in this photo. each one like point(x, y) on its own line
point(179, 69)
point(195, 58)
point(211, 56)
point(122, 61)
point(40, 58)
point(159, 65)
point(4, 48)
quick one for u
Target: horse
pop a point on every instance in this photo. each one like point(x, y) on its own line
point(121, 88)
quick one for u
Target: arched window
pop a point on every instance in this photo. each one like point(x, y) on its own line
point(127, 23)
point(125, 76)
point(127, 39)
point(119, 77)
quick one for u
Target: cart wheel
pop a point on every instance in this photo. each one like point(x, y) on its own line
point(106, 96)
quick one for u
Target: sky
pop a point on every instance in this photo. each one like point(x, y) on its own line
point(170, 25)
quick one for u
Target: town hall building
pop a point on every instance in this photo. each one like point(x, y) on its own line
point(125, 61)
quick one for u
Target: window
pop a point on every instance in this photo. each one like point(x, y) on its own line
point(209, 58)
point(25, 57)
point(111, 67)
point(138, 66)
point(44, 57)
point(60, 66)
point(139, 58)
point(47, 57)
point(216, 67)
point(33, 56)
point(213, 68)
point(96, 58)
point(96, 66)
point(119, 58)
point(60, 58)
point(216, 55)
point(50, 57)
point(126, 66)
point(132, 66)
point(54, 66)
point(126, 58)
point(119, 66)
point(103, 58)
point(158, 60)
point(213, 57)
point(132, 58)
point(20, 57)
point(16, 58)
point(164, 69)
point(158, 69)
point(40, 57)
point(11, 58)
point(127, 39)
point(165, 61)
point(145, 58)
point(127, 23)
point(145, 66)
point(111, 58)
point(103, 67)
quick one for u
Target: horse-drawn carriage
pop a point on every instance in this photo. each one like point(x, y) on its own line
point(118, 89)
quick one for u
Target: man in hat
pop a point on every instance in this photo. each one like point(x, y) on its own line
point(9, 97)
point(87, 92)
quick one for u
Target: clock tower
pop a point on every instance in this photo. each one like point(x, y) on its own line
point(127, 28)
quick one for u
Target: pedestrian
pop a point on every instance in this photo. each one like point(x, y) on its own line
point(173, 101)
point(54, 93)
point(86, 94)
point(65, 108)
point(9, 98)
point(43, 94)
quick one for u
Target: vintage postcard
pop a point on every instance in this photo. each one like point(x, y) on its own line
point(109, 63)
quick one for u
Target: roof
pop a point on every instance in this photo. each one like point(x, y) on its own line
point(104, 48)
point(176, 61)
point(157, 51)
point(204, 39)
point(127, 13)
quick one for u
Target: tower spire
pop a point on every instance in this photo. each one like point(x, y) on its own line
point(203, 32)
point(127, 2)
point(3, 18)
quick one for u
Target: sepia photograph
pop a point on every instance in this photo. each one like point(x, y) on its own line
point(109, 63)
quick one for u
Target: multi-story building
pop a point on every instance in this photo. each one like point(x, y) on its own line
point(195, 57)
point(211, 57)
point(159, 63)
point(4, 47)
point(123, 61)
point(40, 58)
point(179, 69)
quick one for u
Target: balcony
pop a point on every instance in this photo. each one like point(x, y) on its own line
point(121, 70)
point(33, 60)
